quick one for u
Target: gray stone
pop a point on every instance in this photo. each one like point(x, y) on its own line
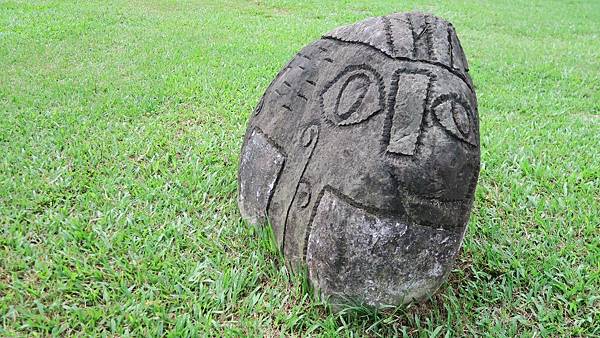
point(363, 156)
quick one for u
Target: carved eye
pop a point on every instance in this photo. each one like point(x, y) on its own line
point(461, 119)
point(456, 118)
point(352, 96)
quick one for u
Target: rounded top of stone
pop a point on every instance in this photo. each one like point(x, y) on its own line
point(410, 36)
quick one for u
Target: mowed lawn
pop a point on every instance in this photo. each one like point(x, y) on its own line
point(120, 130)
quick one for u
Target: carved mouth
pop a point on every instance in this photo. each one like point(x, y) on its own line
point(373, 257)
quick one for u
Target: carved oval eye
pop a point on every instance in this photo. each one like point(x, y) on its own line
point(456, 118)
point(461, 119)
point(352, 96)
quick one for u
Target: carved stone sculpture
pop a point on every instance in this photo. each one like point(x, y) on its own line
point(363, 156)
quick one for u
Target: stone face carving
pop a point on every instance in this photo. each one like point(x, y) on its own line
point(363, 156)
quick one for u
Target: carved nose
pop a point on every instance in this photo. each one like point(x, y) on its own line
point(410, 90)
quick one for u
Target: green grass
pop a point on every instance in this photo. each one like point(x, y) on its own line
point(120, 128)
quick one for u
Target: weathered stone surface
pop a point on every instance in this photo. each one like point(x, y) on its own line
point(363, 155)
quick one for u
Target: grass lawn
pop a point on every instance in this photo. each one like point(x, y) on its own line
point(120, 130)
